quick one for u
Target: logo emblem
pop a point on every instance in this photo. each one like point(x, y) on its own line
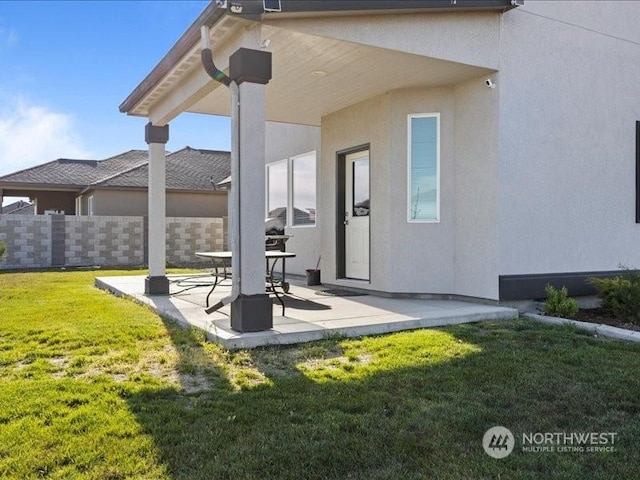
point(498, 442)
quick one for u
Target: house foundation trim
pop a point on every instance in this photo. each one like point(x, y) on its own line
point(531, 286)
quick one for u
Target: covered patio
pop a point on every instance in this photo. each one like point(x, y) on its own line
point(354, 73)
point(310, 314)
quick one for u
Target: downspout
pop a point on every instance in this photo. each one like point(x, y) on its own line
point(206, 57)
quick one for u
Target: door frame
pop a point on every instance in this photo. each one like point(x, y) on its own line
point(341, 254)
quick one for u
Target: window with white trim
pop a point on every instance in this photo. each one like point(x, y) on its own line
point(423, 167)
point(291, 190)
point(277, 191)
point(303, 189)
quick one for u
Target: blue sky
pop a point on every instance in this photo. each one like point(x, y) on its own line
point(65, 67)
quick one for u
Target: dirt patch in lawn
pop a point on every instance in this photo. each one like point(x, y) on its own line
point(599, 316)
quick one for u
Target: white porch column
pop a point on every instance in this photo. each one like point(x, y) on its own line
point(250, 71)
point(252, 186)
point(156, 282)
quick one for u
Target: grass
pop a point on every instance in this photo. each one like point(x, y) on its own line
point(96, 387)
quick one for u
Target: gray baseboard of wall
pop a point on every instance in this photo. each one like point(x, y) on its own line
point(531, 286)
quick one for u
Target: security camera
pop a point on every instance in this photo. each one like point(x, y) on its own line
point(489, 83)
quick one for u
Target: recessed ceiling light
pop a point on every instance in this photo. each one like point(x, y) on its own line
point(319, 73)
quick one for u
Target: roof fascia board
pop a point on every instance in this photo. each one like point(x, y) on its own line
point(144, 189)
point(39, 187)
point(315, 7)
point(209, 16)
point(196, 86)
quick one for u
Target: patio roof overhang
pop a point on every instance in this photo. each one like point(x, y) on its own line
point(322, 69)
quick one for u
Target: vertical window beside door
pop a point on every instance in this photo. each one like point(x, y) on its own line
point(423, 165)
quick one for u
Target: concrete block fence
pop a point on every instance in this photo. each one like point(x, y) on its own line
point(43, 241)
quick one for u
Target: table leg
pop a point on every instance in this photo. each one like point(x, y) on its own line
point(271, 282)
point(215, 282)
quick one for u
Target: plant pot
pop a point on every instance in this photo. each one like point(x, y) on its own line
point(313, 277)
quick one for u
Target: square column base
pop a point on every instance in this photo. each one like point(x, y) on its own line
point(156, 286)
point(252, 313)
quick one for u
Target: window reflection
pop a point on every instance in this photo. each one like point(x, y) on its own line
point(361, 204)
point(277, 192)
point(304, 189)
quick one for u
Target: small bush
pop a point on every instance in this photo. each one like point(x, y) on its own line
point(3, 250)
point(558, 304)
point(620, 296)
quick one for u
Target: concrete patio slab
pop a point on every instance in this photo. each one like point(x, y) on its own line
point(309, 316)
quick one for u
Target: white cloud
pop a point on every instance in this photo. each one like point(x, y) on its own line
point(8, 38)
point(32, 134)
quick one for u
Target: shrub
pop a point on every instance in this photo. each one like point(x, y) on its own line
point(620, 296)
point(558, 304)
point(3, 250)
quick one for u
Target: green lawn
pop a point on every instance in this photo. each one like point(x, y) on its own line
point(93, 386)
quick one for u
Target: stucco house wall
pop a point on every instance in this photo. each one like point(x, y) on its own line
point(537, 175)
point(569, 102)
point(458, 254)
point(477, 209)
point(60, 201)
point(364, 123)
point(197, 204)
point(425, 262)
point(471, 38)
point(283, 141)
point(135, 203)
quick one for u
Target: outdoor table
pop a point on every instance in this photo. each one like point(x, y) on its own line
point(271, 256)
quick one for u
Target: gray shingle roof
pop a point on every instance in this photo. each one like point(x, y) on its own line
point(186, 169)
point(19, 208)
point(80, 173)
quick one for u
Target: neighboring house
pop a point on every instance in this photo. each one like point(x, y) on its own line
point(18, 208)
point(478, 148)
point(118, 185)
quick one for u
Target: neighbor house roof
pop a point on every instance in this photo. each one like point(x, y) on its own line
point(257, 11)
point(186, 169)
point(73, 173)
point(18, 208)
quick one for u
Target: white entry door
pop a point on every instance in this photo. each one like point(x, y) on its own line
point(356, 218)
